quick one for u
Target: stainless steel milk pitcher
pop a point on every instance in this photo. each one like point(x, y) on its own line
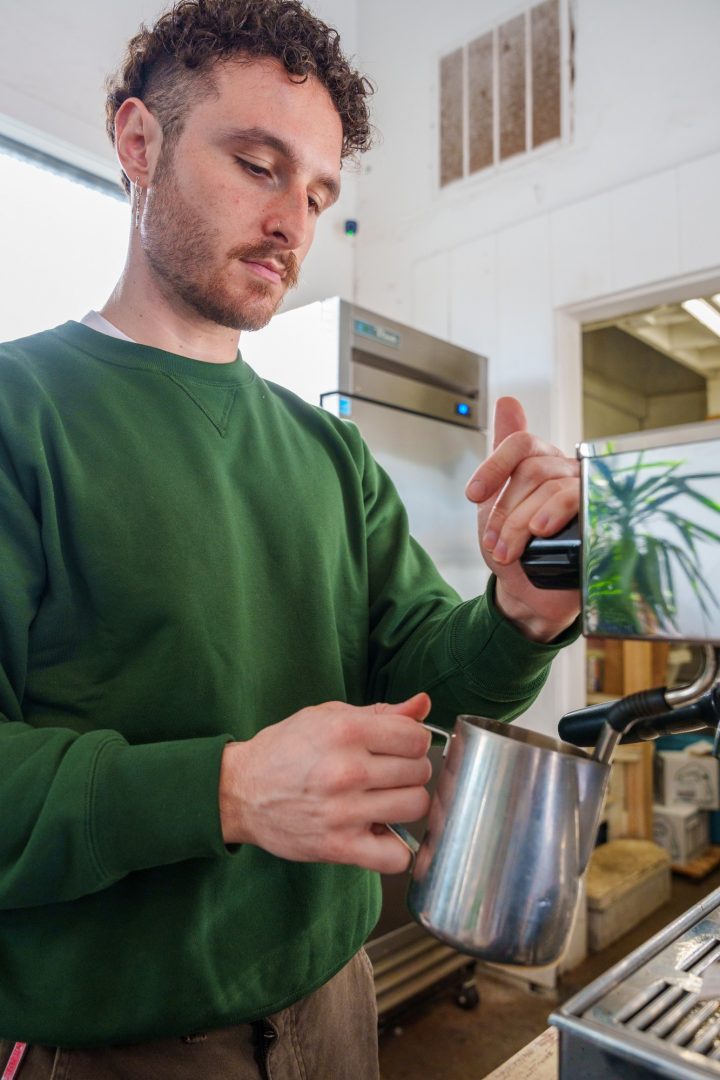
point(510, 831)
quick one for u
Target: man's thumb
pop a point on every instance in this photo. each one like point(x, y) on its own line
point(509, 417)
point(417, 706)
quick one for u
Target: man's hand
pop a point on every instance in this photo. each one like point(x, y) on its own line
point(314, 787)
point(525, 488)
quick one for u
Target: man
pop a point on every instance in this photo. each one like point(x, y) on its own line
point(208, 597)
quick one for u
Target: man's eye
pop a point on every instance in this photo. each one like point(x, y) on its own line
point(251, 167)
point(314, 205)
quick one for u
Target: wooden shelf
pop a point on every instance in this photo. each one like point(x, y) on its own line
point(629, 666)
point(701, 866)
point(599, 699)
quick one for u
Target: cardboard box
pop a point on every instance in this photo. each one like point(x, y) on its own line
point(626, 881)
point(682, 829)
point(691, 775)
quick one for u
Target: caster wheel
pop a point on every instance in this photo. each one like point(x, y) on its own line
point(467, 997)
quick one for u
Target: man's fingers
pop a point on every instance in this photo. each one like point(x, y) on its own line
point(509, 417)
point(396, 804)
point(494, 473)
point(390, 733)
point(387, 771)
point(542, 513)
point(553, 481)
point(532, 475)
point(380, 850)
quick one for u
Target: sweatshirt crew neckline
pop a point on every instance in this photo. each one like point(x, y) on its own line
point(111, 350)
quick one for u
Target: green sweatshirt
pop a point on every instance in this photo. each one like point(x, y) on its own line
point(189, 554)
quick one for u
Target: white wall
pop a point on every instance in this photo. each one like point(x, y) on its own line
point(53, 63)
point(494, 262)
point(645, 95)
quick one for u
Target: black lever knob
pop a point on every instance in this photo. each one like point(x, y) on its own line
point(553, 562)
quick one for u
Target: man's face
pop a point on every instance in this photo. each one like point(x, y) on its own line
point(231, 211)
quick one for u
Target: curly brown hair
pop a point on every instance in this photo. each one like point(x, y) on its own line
point(169, 66)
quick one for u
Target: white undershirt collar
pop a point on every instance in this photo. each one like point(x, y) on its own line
point(98, 322)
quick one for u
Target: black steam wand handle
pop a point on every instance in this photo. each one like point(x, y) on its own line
point(583, 726)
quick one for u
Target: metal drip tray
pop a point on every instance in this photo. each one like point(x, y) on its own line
point(645, 1017)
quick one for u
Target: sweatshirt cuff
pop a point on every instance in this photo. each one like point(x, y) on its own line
point(155, 804)
point(495, 655)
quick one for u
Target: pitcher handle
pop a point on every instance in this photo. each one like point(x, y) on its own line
point(404, 835)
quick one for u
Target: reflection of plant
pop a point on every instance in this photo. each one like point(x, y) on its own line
point(632, 573)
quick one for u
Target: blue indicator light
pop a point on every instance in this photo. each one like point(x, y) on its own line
point(462, 408)
point(345, 406)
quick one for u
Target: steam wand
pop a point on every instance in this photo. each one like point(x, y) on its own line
point(682, 708)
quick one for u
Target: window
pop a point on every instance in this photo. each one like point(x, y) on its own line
point(64, 237)
point(502, 94)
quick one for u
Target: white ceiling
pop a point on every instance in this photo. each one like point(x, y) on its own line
point(55, 61)
point(674, 332)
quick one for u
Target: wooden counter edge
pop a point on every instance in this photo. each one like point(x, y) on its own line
point(539, 1059)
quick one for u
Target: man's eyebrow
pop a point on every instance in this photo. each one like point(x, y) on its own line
point(262, 137)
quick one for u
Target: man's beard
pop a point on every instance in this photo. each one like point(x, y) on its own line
point(183, 252)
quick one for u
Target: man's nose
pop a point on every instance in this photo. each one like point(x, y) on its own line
point(287, 220)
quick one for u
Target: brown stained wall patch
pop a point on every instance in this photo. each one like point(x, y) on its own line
point(510, 95)
point(451, 117)
point(545, 52)
point(511, 46)
point(480, 104)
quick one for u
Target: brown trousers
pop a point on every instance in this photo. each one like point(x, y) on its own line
point(329, 1035)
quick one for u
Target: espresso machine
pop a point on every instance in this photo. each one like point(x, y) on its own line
point(646, 554)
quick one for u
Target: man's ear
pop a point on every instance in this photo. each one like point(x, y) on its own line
point(138, 140)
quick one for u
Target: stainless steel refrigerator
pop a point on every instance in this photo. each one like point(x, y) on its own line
point(421, 405)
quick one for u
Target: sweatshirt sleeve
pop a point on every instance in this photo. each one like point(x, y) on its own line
point(466, 655)
point(82, 810)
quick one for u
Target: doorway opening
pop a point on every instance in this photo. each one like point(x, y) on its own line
point(640, 361)
point(653, 318)
point(654, 368)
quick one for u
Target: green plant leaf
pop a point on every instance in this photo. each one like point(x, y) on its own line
point(704, 499)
